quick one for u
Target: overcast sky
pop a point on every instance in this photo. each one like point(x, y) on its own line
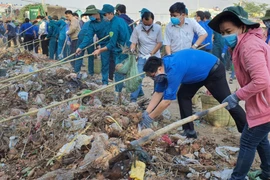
point(160, 7)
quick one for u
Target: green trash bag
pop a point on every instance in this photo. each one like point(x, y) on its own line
point(129, 68)
point(124, 66)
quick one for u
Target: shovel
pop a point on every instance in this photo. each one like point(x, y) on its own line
point(168, 128)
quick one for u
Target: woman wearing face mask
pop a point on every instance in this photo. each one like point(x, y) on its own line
point(251, 60)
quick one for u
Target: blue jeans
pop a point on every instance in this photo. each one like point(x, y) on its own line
point(73, 48)
point(233, 74)
point(140, 64)
point(118, 57)
point(252, 139)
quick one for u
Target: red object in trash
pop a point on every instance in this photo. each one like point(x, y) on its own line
point(208, 93)
point(166, 139)
point(74, 107)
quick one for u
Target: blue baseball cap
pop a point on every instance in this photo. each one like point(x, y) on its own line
point(107, 8)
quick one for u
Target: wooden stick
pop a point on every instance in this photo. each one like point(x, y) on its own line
point(59, 62)
point(175, 125)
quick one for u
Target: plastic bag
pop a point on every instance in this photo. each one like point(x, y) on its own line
point(133, 84)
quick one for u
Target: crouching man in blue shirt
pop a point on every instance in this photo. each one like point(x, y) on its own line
point(180, 76)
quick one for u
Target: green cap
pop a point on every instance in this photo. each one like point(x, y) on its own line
point(117, 5)
point(144, 10)
point(238, 12)
point(91, 10)
point(186, 11)
point(267, 15)
point(107, 8)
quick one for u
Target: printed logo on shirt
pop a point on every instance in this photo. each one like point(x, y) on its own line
point(111, 34)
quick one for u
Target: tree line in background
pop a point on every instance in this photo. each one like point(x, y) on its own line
point(255, 10)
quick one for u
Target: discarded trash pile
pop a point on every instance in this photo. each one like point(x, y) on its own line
point(24, 56)
point(48, 87)
point(90, 137)
point(75, 142)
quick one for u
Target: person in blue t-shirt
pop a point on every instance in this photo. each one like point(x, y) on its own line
point(27, 31)
point(185, 71)
point(209, 38)
point(199, 17)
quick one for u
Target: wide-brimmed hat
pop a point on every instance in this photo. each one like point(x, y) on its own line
point(91, 10)
point(107, 8)
point(236, 11)
point(267, 15)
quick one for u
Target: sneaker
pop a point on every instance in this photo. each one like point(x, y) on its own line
point(104, 85)
point(190, 134)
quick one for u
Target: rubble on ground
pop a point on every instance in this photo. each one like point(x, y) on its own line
point(89, 138)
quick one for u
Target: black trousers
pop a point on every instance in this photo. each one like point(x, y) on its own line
point(13, 38)
point(44, 45)
point(28, 39)
point(111, 66)
point(73, 47)
point(36, 45)
point(217, 84)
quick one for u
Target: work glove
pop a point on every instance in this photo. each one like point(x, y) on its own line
point(68, 43)
point(223, 55)
point(146, 121)
point(147, 56)
point(232, 101)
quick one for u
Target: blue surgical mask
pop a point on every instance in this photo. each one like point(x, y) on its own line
point(92, 18)
point(175, 20)
point(230, 40)
point(105, 18)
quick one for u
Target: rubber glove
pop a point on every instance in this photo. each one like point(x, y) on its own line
point(146, 121)
point(232, 101)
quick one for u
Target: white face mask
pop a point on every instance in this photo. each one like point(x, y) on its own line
point(147, 28)
point(85, 19)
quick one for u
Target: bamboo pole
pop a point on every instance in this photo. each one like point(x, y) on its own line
point(59, 62)
point(175, 125)
point(71, 99)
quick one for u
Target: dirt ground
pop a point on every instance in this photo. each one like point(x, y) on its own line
point(223, 136)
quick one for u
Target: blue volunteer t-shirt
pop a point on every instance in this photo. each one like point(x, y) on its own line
point(185, 67)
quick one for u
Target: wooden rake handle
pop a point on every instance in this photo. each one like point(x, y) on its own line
point(175, 125)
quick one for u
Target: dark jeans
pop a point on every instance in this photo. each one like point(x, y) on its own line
point(217, 84)
point(36, 45)
point(73, 48)
point(44, 45)
point(13, 38)
point(111, 66)
point(28, 39)
point(252, 139)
